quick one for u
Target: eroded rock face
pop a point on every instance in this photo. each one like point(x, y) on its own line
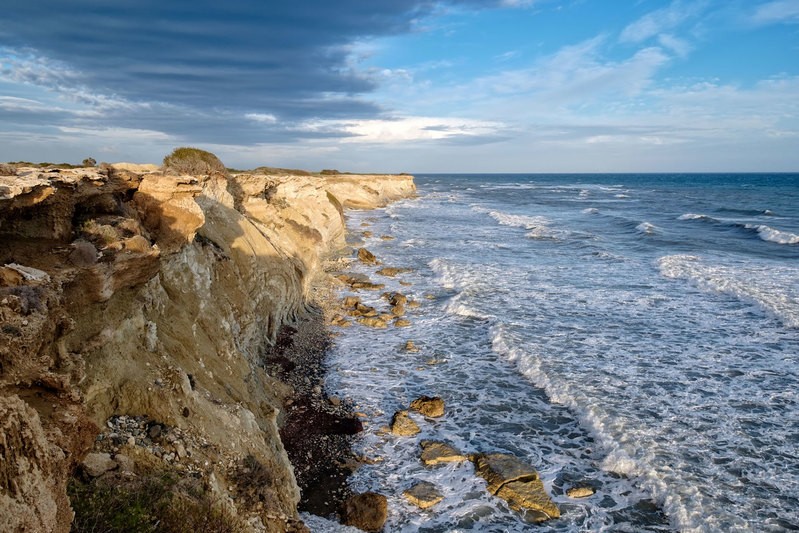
point(515, 482)
point(156, 297)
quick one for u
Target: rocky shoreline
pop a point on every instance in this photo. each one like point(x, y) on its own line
point(147, 365)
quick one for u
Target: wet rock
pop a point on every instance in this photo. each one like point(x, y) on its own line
point(580, 492)
point(367, 511)
point(367, 234)
point(387, 237)
point(432, 406)
point(413, 304)
point(373, 322)
point(398, 310)
point(363, 310)
point(405, 283)
point(423, 494)
point(367, 257)
point(397, 298)
point(402, 323)
point(403, 425)
point(515, 482)
point(97, 464)
point(436, 452)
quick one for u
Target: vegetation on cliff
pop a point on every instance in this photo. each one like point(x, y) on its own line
point(187, 160)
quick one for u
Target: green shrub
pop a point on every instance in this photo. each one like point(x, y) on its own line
point(329, 172)
point(89, 162)
point(193, 161)
point(152, 503)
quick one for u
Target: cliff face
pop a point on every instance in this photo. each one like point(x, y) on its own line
point(141, 294)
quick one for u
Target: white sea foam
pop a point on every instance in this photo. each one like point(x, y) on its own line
point(590, 211)
point(773, 289)
point(774, 235)
point(695, 216)
point(646, 228)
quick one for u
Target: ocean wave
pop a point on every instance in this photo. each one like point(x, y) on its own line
point(646, 228)
point(773, 235)
point(590, 211)
point(695, 216)
point(771, 289)
point(537, 227)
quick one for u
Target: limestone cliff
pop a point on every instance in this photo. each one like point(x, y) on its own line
point(126, 292)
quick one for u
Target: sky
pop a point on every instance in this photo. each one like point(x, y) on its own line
point(406, 85)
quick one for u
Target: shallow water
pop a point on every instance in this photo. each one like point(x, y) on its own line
point(636, 333)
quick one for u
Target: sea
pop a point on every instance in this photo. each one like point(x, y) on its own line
point(633, 333)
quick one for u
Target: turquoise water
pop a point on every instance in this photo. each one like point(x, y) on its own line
point(637, 333)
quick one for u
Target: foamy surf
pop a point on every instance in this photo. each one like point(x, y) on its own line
point(774, 235)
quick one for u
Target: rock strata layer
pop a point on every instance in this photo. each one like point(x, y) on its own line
point(124, 291)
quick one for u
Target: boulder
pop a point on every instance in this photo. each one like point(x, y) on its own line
point(403, 425)
point(373, 322)
point(515, 482)
point(367, 511)
point(367, 257)
point(397, 298)
point(423, 494)
point(398, 310)
point(367, 234)
point(363, 310)
point(413, 304)
point(340, 321)
point(432, 406)
point(436, 452)
point(402, 323)
point(350, 302)
point(97, 464)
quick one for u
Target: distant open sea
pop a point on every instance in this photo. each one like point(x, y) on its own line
point(635, 333)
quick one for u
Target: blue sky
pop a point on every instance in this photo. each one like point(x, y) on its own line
point(406, 85)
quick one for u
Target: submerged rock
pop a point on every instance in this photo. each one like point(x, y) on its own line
point(392, 271)
point(436, 452)
point(432, 406)
point(402, 323)
point(580, 492)
point(423, 494)
point(367, 511)
point(403, 425)
point(410, 346)
point(515, 482)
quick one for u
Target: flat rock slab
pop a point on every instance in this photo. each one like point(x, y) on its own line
point(373, 322)
point(431, 406)
point(403, 425)
point(436, 452)
point(367, 511)
point(515, 482)
point(423, 494)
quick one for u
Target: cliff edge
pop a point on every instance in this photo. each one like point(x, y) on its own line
point(135, 311)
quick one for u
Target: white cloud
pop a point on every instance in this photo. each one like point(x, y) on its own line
point(777, 11)
point(661, 21)
point(405, 129)
point(267, 118)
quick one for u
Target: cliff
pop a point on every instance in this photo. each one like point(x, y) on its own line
point(135, 312)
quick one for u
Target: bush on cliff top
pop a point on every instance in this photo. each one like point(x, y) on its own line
point(188, 160)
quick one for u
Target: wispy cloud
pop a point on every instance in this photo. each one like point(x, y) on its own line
point(779, 11)
point(662, 20)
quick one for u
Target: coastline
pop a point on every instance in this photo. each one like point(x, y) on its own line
point(145, 333)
